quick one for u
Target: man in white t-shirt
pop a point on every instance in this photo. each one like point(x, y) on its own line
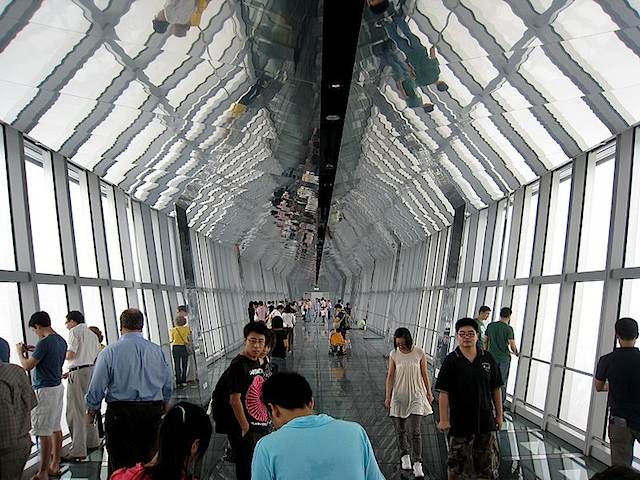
point(82, 351)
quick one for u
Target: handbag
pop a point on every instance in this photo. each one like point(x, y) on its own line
point(189, 346)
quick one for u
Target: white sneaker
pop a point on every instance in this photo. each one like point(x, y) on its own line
point(406, 462)
point(417, 470)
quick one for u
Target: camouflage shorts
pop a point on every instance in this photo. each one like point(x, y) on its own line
point(474, 455)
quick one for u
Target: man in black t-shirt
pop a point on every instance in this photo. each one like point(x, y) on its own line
point(470, 405)
point(620, 369)
point(245, 378)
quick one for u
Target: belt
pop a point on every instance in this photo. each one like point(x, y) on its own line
point(125, 403)
point(73, 369)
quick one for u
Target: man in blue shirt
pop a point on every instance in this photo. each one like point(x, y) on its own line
point(46, 361)
point(135, 379)
point(292, 452)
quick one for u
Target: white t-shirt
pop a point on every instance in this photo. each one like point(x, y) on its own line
point(84, 343)
point(409, 396)
point(288, 320)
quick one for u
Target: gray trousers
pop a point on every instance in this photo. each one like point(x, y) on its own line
point(409, 428)
point(84, 436)
point(12, 460)
point(621, 440)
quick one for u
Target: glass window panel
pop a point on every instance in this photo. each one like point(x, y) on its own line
point(180, 296)
point(576, 397)
point(92, 305)
point(463, 250)
point(489, 299)
point(82, 224)
point(499, 230)
point(158, 245)
point(518, 307)
point(558, 219)
point(11, 328)
point(152, 316)
point(630, 300)
point(42, 211)
point(471, 306)
point(120, 303)
point(537, 384)
point(632, 257)
point(111, 232)
point(7, 256)
point(546, 321)
point(167, 310)
point(527, 231)
point(594, 234)
point(143, 309)
point(133, 243)
point(585, 324)
point(53, 300)
point(175, 253)
point(479, 245)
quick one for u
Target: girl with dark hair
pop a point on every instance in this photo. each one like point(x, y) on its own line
point(252, 311)
point(184, 438)
point(408, 398)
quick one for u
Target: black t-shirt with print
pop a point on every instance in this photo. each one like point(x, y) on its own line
point(246, 377)
point(470, 386)
point(620, 368)
point(279, 349)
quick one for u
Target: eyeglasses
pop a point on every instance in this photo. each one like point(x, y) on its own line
point(467, 334)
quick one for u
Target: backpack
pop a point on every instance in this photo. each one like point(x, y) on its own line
point(220, 408)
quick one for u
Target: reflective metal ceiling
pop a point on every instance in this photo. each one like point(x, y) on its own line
point(215, 104)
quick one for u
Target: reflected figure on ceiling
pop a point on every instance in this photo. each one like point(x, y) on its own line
point(180, 15)
point(413, 68)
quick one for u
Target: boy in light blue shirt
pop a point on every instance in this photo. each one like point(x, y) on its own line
point(292, 451)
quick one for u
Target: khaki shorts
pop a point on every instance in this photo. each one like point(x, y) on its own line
point(47, 414)
point(474, 454)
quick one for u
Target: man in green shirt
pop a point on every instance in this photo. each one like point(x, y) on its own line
point(498, 340)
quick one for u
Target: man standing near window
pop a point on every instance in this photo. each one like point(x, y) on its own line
point(617, 373)
point(470, 404)
point(498, 340)
point(82, 351)
point(483, 316)
point(134, 377)
point(46, 360)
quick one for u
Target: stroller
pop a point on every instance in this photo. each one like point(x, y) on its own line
point(337, 344)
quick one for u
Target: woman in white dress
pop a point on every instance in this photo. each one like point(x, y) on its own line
point(408, 398)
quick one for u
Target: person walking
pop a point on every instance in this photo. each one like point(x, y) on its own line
point(46, 361)
point(281, 344)
point(484, 313)
point(292, 453)
point(470, 405)
point(408, 398)
point(499, 341)
point(181, 344)
point(289, 322)
point(261, 312)
point(17, 399)
point(82, 350)
point(252, 311)
point(617, 374)
point(184, 437)
point(133, 376)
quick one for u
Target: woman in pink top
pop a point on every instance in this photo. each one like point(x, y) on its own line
point(184, 437)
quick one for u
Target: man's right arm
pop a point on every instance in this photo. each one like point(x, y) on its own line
point(260, 465)
point(235, 400)
point(99, 381)
point(600, 378)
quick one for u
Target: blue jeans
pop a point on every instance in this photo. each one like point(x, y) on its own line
point(504, 373)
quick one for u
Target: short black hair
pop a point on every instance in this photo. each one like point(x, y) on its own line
point(255, 327)
point(627, 328)
point(467, 322)
point(617, 473)
point(379, 8)
point(183, 308)
point(276, 322)
point(337, 305)
point(40, 319)
point(484, 308)
point(505, 312)
point(160, 26)
point(406, 335)
point(132, 319)
point(76, 316)
point(288, 390)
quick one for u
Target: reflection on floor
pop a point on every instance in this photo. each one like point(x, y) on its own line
point(352, 388)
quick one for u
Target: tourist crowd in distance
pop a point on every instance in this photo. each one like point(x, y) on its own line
point(266, 410)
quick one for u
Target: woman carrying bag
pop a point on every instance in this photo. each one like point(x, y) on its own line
point(181, 348)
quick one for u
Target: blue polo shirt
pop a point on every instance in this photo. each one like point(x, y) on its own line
point(293, 452)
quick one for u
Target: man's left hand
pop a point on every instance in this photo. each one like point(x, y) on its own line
point(91, 416)
point(499, 421)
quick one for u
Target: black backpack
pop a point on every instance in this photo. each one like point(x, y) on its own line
point(221, 411)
